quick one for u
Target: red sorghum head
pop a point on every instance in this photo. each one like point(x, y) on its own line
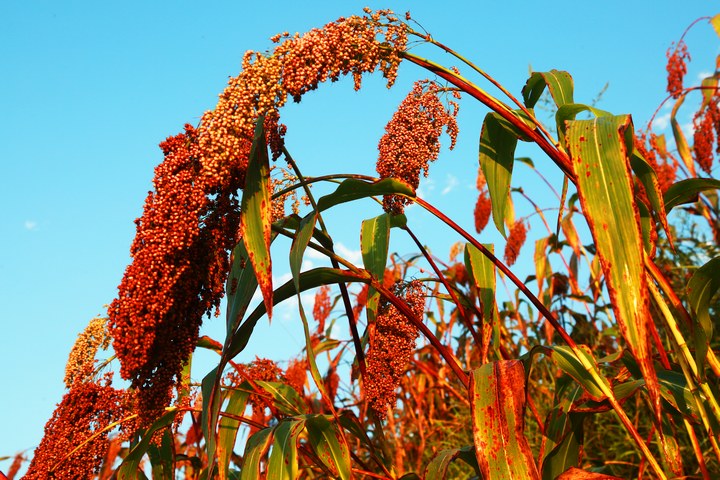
point(516, 239)
point(704, 137)
point(412, 139)
point(677, 56)
point(483, 209)
point(391, 346)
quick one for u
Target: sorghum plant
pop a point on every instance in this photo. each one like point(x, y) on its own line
point(603, 363)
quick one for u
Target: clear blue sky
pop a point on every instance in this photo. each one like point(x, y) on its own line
point(88, 89)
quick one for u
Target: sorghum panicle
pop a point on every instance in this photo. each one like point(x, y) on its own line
point(298, 64)
point(81, 361)
point(412, 139)
point(84, 411)
point(483, 209)
point(321, 309)
point(704, 137)
point(177, 275)
point(677, 56)
point(391, 347)
point(516, 240)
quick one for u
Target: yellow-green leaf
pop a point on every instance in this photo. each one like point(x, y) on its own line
point(497, 405)
point(256, 217)
point(600, 150)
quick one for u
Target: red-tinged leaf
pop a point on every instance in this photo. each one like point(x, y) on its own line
point(283, 463)
point(580, 474)
point(240, 288)
point(438, 466)
point(256, 217)
point(255, 449)
point(703, 285)
point(285, 398)
point(680, 140)
point(237, 401)
point(497, 151)
point(497, 404)
point(647, 176)
point(328, 442)
point(211, 403)
point(599, 150)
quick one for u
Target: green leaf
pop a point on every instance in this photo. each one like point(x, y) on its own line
point(128, 470)
point(237, 401)
point(240, 288)
point(496, 156)
point(497, 405)
point(256, 216)
point(568, 112)
point(566, 452)
point(438, 466)
point(568, 362)
point(686, 191)
point(703, 285)
point(647, 176)
point(211, 403)
point(560, 84)
point(374, 243)
point(308, 280)
point(329, 444)
point(599, 150)
point(482, 273)
point(161, 458)
point(283, 463)
point(255, 449)
point(354, 189)
point(286, 399)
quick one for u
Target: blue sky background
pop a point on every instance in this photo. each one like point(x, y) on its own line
point(89, 89)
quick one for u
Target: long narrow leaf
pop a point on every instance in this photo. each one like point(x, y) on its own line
point(256, 217)
point(374, 243)
point(497, 403)
point(703, 285)
point(599, 150)
point(496, 156)
point(283, 462)
point(328, 442)
point(237, 401)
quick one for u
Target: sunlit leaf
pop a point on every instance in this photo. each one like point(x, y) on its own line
point(241, 286)
point(285, 398)
point(703, 285)
point(599, 150)
point(283, 463)
point(256, 216)
point(497, 404)
point(354, 189)
point(569, 363)
point(496, 156)
point(575, 473)
point(687, 191)
point(438, 466)
point(374, 243)
point(329, 444)
point(559, 83)
point(227, 434)
point(255, 449)
point(128, 470)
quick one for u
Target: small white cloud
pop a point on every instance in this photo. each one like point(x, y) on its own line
point(661, 122)
point(354, 256)
point(450, 183)
point(703, 75)
point(30, 225)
